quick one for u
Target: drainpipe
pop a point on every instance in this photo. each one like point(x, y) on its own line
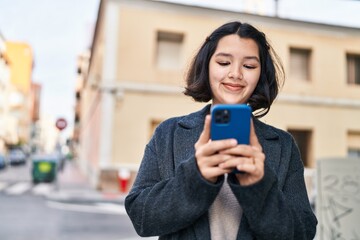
point(276, 8)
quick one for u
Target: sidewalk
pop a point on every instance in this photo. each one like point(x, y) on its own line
point(74, 187)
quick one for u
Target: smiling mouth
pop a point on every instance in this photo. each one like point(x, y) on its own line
point(233, 87)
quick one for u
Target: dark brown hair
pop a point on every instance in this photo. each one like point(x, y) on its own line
point(271, 77)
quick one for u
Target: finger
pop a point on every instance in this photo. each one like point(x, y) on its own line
point(240, 150)
point(254, 141)
point(233, 162)
point(218, 146)
point(205, 134)
point(215, 160)
point(246, 167)
point(259, 157)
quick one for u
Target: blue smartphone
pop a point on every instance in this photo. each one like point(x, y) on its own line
point(231, 121)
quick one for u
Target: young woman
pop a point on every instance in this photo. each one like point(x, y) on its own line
point(185, 187)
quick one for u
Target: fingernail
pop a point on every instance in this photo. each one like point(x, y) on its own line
point(233, 142)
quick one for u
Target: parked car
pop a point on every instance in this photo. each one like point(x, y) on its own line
point(2, 161)
point(16, 156)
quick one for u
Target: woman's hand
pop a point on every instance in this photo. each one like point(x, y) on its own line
point(246, 158)
point(208, 154)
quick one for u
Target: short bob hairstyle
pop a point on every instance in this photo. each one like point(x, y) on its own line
point(271, 77)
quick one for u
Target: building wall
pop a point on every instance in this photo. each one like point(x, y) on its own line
point(144, 95)
point(137, 43)
point(329, 46)
point(90, 124)
point(330, 126)
point(135, 115)
point(5, 131)
point(21, 63)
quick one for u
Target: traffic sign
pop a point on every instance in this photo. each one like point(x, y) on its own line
point(61, 124)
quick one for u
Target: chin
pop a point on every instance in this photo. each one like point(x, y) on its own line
point(229, 100)
point(233, 102)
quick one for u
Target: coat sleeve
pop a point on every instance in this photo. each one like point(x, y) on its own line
point(274, 213)
point(158, 206)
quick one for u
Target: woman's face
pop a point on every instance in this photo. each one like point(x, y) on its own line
point(234, 70)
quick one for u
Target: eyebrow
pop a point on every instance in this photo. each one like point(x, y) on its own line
point(229, 55)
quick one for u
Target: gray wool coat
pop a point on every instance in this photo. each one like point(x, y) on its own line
point(171, 199)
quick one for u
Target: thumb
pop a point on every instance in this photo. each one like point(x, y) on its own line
point(205, 134)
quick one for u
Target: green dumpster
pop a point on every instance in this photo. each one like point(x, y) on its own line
point(44, 169)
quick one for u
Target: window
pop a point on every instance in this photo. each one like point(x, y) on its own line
point(300, 64)
point(354, 153)
point(168, 55)
point(303, 140)
point(353, 68)
point(353, 143)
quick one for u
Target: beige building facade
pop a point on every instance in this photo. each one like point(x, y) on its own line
point(7, 123)
point(140, 54)
point(14, 114)
point(19, 96)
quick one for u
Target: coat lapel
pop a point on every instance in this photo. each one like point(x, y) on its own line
point(185, 137)
point(270, 143)
point(186, 134)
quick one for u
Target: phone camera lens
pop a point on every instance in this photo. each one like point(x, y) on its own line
point(222, 116)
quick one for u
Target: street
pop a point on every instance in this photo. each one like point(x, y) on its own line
point(46, 211)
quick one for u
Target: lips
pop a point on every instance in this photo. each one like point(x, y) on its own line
point(233, 86)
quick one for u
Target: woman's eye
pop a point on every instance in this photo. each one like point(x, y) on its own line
point(223, 63)
point(249, 66)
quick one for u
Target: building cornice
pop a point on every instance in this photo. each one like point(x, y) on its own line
point(141, 88)
point(120, 88)
point(319, 101)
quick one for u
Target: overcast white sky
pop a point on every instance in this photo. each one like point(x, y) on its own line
point(337, 12)
point(58, 30)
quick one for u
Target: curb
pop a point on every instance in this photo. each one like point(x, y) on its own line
point(86, 196)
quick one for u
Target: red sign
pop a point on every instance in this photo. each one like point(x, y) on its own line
point(61, 124)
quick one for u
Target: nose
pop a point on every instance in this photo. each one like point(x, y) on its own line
point(235, 73)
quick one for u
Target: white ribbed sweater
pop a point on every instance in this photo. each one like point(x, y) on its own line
point(225, 214)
